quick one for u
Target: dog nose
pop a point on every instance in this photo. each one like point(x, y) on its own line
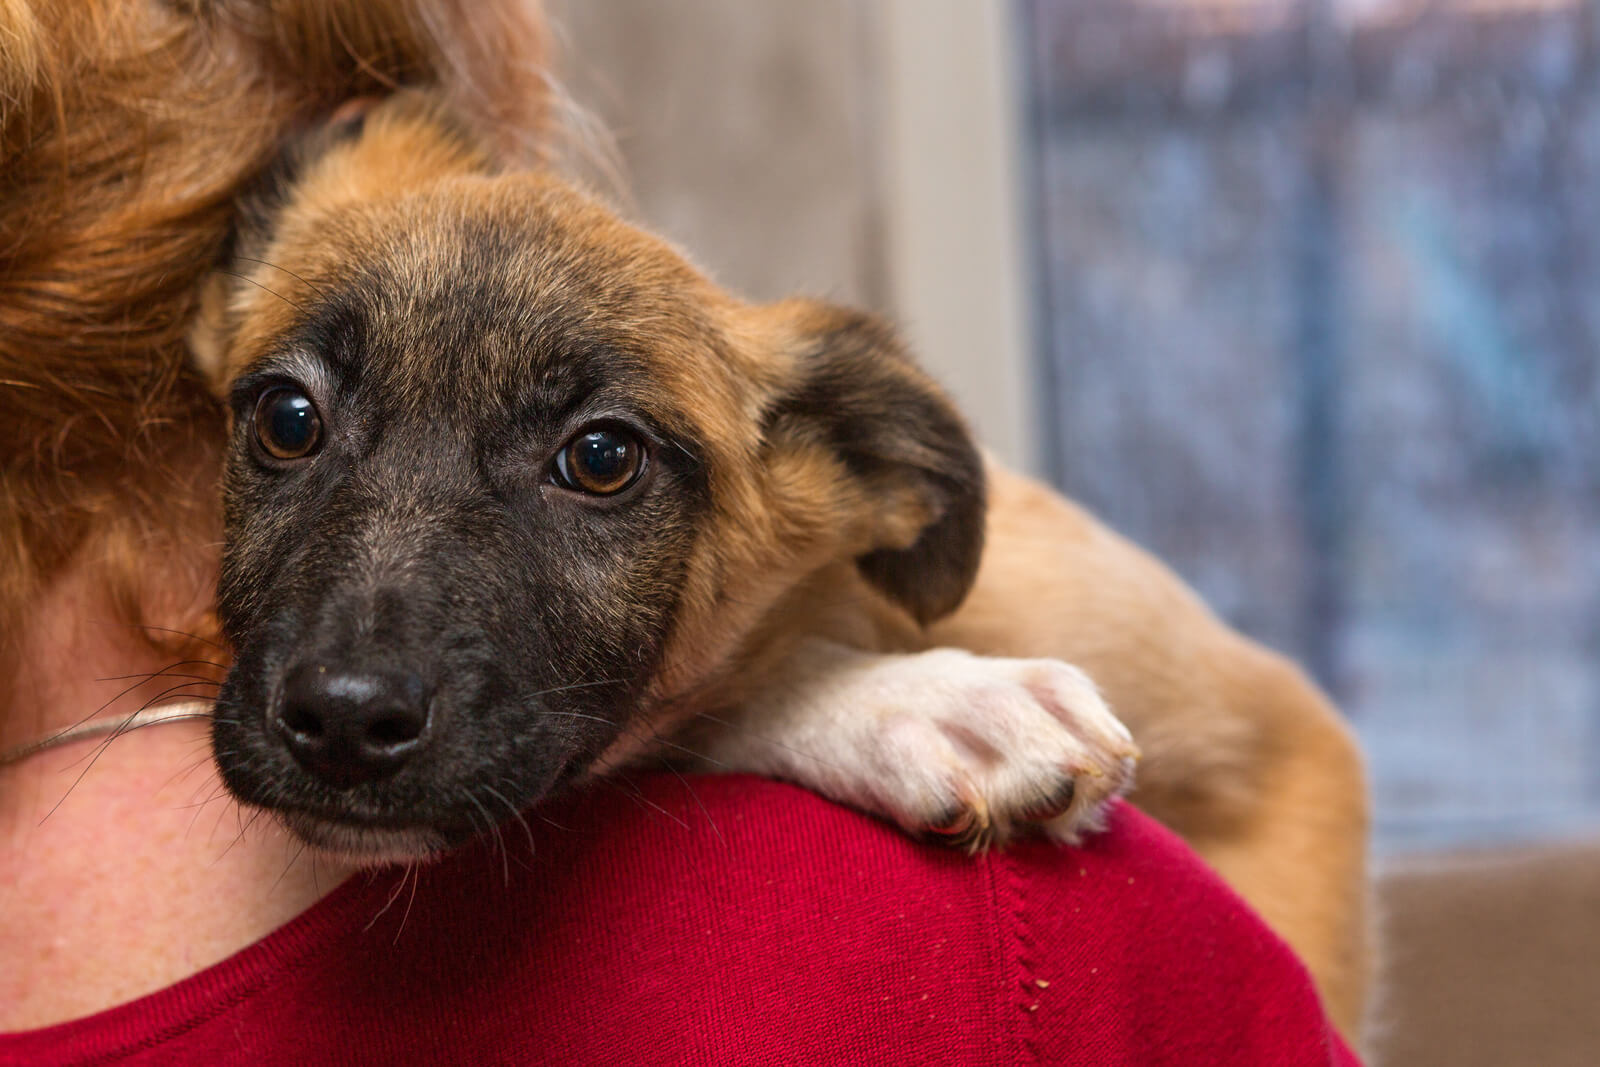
point(348, 727)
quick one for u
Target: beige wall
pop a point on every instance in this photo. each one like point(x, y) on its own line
point(745, 132)
point(858, 150)
point(957, 266)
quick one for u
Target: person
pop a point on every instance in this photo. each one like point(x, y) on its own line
point(711, 920)
point(654, 919)
point(145, 918)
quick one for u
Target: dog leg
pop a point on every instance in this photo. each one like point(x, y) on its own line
point(943, 742)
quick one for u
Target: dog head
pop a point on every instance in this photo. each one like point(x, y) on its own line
point(509, 480)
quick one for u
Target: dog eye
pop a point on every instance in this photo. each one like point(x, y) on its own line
point(601, 461)
point(287, 424)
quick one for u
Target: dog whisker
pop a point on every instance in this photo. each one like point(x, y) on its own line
point(185, 770)
point(698, 757)
point(303, 281)
point(316, 882)
point(515, 814)
point(697, 802)
point(216, 824)
point(149, 628)
point(132, 723)
point(287, 867)
point(264, 288)
point(415, 870)
point(638, 796)
point(550, 713)
point(129, 723)
point(387, 904)
point(576, 685)
point(197, 806)
point(492, 827)
point(690, 457)
point(551, 822)
point(151, 676)
point(185, 633)
point(244, 828)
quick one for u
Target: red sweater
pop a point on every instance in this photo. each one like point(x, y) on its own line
point(731, 920)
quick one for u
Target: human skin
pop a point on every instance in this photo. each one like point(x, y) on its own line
point(124, 866)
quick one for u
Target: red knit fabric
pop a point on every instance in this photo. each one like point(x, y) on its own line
point(731, 920)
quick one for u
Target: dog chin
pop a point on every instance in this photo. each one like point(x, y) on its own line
point(366, 846)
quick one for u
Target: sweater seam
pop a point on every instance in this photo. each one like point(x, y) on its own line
point(1024, 959)
point(1012, 952)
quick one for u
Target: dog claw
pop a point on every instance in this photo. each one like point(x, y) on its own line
point(1055, 806)
point(1029, 742)
point(952, 823)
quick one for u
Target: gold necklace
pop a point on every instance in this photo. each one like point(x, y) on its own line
point(181, 711)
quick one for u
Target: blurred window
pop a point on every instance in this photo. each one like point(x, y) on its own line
point(1320, 284)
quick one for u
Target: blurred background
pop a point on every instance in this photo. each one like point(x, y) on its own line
point(1302, 295)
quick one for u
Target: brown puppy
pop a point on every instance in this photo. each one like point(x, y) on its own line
point(513, 491)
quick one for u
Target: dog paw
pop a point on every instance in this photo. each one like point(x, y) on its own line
point(972, 750)
point(960, 748)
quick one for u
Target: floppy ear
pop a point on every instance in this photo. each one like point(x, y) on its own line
point(256, 211)
point(858, 393)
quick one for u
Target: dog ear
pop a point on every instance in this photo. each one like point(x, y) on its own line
point(915, 466)
point(256, 210)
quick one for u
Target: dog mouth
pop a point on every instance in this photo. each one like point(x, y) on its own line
point(351, 793)
point(364, 842)
point(373, 826)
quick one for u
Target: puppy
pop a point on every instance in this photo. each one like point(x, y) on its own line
point(515, 495)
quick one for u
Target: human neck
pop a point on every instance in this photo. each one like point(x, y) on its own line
point(124, 865)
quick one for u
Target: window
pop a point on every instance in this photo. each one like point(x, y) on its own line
point(1320, 291)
